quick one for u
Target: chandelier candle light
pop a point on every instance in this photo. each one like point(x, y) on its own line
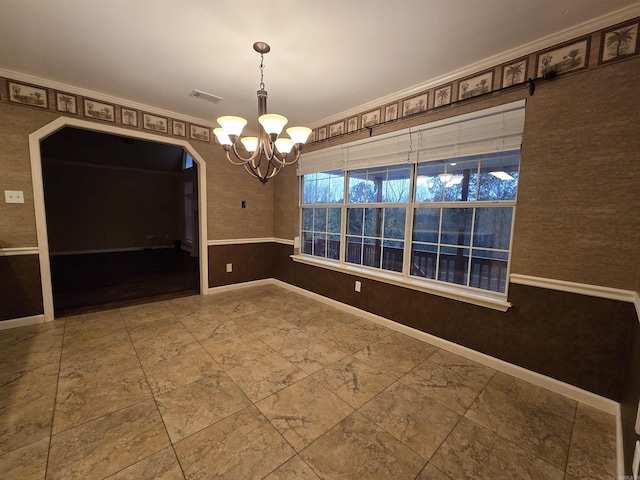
point(268, 153)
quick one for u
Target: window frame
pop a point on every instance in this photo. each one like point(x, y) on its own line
point(479, 133)
point(405, 278)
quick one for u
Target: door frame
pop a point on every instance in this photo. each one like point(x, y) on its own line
point(39, 205)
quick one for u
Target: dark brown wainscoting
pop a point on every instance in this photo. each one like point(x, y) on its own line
point(629, 403)
point(20, 287)
point(577, 339)
point(251, 261)
point(101, 281)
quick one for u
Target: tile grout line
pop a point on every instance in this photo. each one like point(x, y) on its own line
point(55, 399)
point(155, 402)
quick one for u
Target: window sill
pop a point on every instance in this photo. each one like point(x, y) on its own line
point(488, 300)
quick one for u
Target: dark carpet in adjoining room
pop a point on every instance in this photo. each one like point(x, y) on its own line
point(101, 281)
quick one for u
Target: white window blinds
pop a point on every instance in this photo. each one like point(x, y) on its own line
point(495, 129)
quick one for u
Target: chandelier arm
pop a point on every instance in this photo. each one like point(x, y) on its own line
point(247, 167)
point(244, 160)
point(241, 162)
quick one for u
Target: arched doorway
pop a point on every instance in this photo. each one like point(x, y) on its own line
point(39, 200)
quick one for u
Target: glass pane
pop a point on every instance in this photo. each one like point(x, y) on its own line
point(453, 265)
point(489, 270)
point(456, 226)
point(371, 253)
point(373, 222)
point(333, 247)
point(354, 250)
point(493, 228)
point(361, 190)
point(354, 221)
point(336, 187)
point(429, 186)
point(426, 224)
point(308, 190)
point(322, 191)
point(396, 185)
point(394, 222)
point(335, 216)
point(392, 254)
point(320, 244)
point(423, 260)
point(320, 219)
point(307, 219)
point(499, 176)
point(307, 243)
point(461, 180)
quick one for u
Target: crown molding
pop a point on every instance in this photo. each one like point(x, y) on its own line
point(580, 30)
point(43, 82)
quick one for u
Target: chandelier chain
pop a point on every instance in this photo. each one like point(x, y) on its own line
point(262, 71)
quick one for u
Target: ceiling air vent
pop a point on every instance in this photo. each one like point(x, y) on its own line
point(205, 96)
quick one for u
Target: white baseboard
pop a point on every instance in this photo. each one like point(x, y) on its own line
point(21, 322)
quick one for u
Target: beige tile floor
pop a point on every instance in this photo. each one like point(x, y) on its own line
point(266, 383)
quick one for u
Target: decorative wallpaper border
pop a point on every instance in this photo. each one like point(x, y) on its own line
point(72, 105)
point(604, 46)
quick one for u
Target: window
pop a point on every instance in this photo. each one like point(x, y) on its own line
point(321, 218)
point(376, 216)
point(188, 161)
point(462, 220)
point(424, 207)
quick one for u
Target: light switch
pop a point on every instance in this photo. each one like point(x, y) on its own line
point(13, 196)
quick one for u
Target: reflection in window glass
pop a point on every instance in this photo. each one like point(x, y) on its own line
point(380, 185)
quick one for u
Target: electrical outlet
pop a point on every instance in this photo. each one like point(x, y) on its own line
point(358, 286)
point(229, 267)
point(13, 196)
point(636, 461)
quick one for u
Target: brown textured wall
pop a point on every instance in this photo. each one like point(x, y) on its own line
point(227, 186)
point(18, 221)
point(578, 198)
point(630, 399)
point(578, 339)
point(286, 212)
point(251, 261)
point(20, 286)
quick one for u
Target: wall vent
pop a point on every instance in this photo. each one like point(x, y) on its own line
point(205, 96)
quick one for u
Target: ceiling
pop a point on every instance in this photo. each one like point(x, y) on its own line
point(327, 58)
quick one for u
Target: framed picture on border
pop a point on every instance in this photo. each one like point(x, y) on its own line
point(28, 95)
point(391, 112)
point(99, 110)
point(322, 134)
point(563, 59)
point(619, 42)
point(154, 123)
point(312, 137)
point(442, 95)
point(415, 104)
point(129, 117)
point(198, 132)
point(476, 85)
point(514, 73)
point(352, 124)
point(336, 129)
point(179, 129)
point(371, 118)
point(66, 102)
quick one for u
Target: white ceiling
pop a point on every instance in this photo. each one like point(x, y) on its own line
point(327, 57)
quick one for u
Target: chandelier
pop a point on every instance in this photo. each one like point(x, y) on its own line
point(268, 153)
